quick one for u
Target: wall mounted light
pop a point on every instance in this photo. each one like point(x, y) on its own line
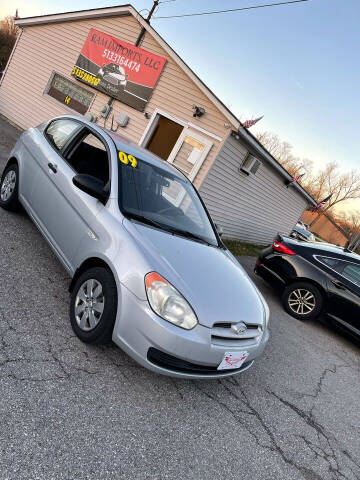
point(198, 111)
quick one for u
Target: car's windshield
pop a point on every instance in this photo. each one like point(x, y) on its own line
point(165, 200)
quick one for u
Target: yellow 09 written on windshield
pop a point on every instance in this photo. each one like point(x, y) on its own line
point(127, 159)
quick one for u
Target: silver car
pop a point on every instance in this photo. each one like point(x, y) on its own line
point(148, 268)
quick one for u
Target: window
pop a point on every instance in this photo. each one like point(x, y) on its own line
point(60, 132)
point(69, 93)
point(90, 156)
point(250, 165)
point(349, 270)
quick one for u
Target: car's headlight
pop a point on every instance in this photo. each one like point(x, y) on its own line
point(168, 303)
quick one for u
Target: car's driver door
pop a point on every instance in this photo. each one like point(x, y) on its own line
point(63, 212)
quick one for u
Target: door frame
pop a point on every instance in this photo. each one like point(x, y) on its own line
point(152, 125)
point(153, 122)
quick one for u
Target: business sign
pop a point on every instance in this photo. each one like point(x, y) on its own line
point(118, 68)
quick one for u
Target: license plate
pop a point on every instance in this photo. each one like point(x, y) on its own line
point(233, 360)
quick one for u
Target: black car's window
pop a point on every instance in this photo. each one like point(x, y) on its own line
point(349, 270)
point(352, 273)
point(59, 132)
point(90, 156)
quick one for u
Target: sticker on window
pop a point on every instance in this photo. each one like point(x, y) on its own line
point(127, 159)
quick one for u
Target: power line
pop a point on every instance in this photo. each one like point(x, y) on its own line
point(234, 9)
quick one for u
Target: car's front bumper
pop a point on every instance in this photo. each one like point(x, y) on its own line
point(145, 336)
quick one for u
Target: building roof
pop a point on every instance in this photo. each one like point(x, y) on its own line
point(127, 10)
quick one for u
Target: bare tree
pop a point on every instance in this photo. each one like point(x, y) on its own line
point(282, 151)
point(8, 33)
point(342, 186)
point(350, 223)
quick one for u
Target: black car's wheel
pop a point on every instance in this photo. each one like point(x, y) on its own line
point(9, 188)
point(302, 300)
point(93, 305)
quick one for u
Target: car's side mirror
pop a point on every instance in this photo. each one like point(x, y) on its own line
point(91, 185)
point(219, 229)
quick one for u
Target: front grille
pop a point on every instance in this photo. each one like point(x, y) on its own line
point(222, 332)
point(169, 362)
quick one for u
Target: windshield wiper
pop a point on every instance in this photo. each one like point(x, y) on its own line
point(187, 234)
point(167, 228)
point(147, 220)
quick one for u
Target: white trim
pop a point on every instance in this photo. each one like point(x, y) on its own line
point(73, 16)
point(10, 58)
point(202, 130)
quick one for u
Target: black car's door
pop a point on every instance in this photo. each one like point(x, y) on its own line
point(344, 291)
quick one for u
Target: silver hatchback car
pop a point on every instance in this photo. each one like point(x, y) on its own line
point(148, 268)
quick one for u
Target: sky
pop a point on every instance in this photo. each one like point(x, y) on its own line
point(298, 65)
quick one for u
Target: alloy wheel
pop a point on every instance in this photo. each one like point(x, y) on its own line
point(8, 185)
point(301, 301)
point(89, 304)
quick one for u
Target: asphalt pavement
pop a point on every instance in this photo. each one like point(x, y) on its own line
point(72, 411)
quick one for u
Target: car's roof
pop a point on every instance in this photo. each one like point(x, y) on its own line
point(127, 145)
point(324, 248)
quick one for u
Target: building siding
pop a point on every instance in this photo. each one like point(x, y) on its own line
point(250, 208)
point(44, 48)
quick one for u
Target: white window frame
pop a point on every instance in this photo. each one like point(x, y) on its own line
point(255, 160)
point(187, 132)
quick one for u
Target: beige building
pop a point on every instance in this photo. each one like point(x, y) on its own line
point(156, 100)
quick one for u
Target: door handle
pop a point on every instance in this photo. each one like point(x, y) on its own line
point(52, 167)
point(338, 284)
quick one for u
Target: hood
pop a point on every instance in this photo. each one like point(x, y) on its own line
point(215, 285)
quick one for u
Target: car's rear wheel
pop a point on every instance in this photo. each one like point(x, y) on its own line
point(9, 188)
point(302, 300)
point(93, 305)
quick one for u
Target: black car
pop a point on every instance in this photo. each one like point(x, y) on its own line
point(315, 279)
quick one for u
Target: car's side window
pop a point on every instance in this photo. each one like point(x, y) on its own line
point(90, 156)
point(349, 270)
point(59, 132)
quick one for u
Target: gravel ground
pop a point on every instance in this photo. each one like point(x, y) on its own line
point(72, 411)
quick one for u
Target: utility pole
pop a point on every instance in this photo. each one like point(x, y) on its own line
point(143, 30)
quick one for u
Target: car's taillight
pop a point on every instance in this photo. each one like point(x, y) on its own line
point(282, 248)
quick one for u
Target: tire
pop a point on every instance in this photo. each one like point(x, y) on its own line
point(308, 294)
point(94, 323)
point(9, 187)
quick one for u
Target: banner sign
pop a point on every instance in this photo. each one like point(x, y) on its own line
point(119, 69)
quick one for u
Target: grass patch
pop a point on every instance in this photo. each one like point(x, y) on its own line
point(242, 248)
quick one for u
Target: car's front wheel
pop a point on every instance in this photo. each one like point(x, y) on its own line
point(302, 300)
point(93, 305)
point(9, 188)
